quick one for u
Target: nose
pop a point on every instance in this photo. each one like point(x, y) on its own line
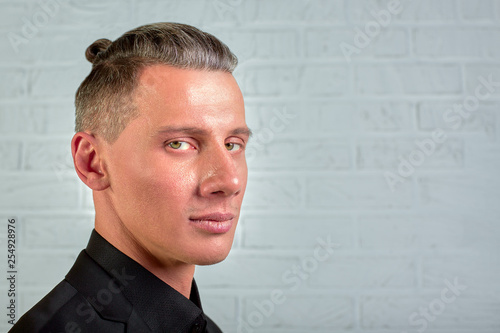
point(223, 175)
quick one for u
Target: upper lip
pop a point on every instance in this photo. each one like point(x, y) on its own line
point(216, 217)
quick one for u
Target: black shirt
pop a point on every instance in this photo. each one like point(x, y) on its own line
point(106, 291)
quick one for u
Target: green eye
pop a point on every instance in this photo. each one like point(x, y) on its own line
point(232, 146)
point(179, 145)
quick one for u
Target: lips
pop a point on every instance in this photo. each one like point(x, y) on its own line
point(214, 217)
point(215, 223)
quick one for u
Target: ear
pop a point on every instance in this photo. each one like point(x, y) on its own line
point(88, 162)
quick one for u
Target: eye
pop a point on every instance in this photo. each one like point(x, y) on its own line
point(231, 146)
point(179, 145)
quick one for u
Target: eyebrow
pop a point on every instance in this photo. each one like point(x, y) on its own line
point(200, 131)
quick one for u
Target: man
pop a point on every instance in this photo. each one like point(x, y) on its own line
point(160, 140)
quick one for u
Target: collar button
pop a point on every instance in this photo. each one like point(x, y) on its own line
point(196, 328)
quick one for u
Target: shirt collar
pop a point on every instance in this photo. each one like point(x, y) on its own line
point(162, 307)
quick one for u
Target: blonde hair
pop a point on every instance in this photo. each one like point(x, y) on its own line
point(104, 101)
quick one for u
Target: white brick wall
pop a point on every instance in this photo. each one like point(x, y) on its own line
point(327, 130)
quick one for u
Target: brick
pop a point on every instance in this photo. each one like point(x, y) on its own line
point(249, 45)
point(55, 266)
point(56, 46)
point(245, 270)
point(412, 11)
point(56, 231)
point(190, 12)
point(12, 12)
point(403, 313)
point(60, 119)
point(310, 80)
point(11, 155)
point(408, 79)
point(32, 192)
point(12, 22)
point(328, 117)
point(388, 312)
point(369, 150)
point(48, 154)
point(275, 11)
point(21, 119)
point(52, 118)
point(384, 116)
point(326, 43)
point(290, 153)
point(385, 153)
point(475, 271)
point(13, 84)
point(360, 191)
point(463, 191)
point(433, 115)
point(282, 119)
point(93, 14)
point(455, 42)
point(321, 117)
point(418, 232)
point(365, 272)
point(302, 312)
point(56, 82)
point(272, 192)
point(473, 73)
point(477, 10)
point(221, 309)
point(467, 310)
point(38, 33)
point(264, 231)
point(16, 49)
point(51, 45)
point(483, 161)
point(53, 155)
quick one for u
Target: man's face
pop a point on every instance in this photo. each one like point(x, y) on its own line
point(178, 172)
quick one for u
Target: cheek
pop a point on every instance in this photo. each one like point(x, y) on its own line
point(166, 182)
point(151, 180)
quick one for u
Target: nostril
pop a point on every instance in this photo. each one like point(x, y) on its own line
point(218, 192)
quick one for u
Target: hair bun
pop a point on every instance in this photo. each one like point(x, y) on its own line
point(95, 48)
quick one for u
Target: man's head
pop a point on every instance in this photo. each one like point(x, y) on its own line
point(103, 101)
point(160, 141)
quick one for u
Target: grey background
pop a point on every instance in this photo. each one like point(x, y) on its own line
point(320, 171)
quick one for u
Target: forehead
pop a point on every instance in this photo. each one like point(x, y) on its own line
point(169, 87)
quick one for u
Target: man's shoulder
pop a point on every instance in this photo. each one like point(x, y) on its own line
point(69, 307)
point(63, 309)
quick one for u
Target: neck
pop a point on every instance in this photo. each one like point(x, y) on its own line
point(178, 275)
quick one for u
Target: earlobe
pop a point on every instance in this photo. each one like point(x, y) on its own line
point(87, 161)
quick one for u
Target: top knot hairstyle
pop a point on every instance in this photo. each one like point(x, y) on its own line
point(104, 103)
point(97, 47)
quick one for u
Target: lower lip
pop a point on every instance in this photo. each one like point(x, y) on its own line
point(213, 227)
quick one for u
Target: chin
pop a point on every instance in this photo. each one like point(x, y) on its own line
point(211, 257)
